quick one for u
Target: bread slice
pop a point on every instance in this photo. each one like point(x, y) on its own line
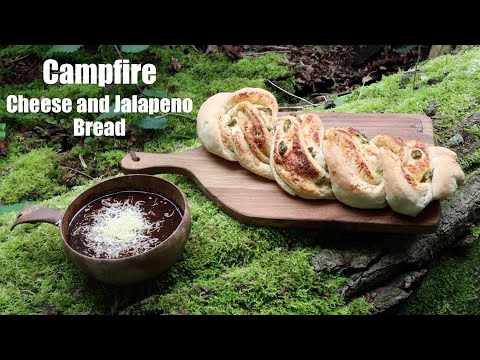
point(355, 168)
point(407, 170)
point(447, 173)
point(209, 126)
point(238, 126)
point(297, 160)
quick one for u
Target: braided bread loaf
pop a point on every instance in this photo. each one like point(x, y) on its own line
point(340, 163)
point(237, 126)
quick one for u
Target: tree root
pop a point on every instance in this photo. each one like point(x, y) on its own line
point(415, 252)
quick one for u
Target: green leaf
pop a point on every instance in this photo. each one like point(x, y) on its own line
point(134, 48)
point(62, 49)
point(15, 207)
point(65, 123)
point(88, 139)
point(109, 114)
point(153, 123)
point(3, 133)
point(476, 231)
point(51, 121)
point(154, 93)
point(405, 49)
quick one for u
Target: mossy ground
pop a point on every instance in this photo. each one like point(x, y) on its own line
point(228, 267)
point(452, 286)
point(32, 176)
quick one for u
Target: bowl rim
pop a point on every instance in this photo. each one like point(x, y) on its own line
point(185, 218)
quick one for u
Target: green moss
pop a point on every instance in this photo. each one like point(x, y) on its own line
point(31, 177)
point(470, 160)
point(23, 50)
point(476, 231)
point(109, 159)
point(220, 254)
point(474, 130)
point(452, 286)
point(15, 149)
point(290, 287)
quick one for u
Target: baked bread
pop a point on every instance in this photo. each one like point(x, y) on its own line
point(297, 160)
point(209, 126)
point(340, 163)
point(238, 126)
point(355, 168)
point(447, 173)
point(407, 171)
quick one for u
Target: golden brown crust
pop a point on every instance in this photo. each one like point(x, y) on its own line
point(293, 163)
point(407, 172)
point(209, 128)
point(263, 100)
point(237, 126)
point(447, 173)
point(355, 168)
point(314, 133)
point(250, 120)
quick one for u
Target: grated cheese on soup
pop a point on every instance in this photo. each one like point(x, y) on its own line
point(118, 227)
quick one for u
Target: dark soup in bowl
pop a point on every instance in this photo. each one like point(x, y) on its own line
point(123, 224)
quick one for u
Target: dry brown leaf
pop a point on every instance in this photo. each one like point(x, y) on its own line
point(366, 79)
point(175, 65)
point(3, 148)
point(233, 51)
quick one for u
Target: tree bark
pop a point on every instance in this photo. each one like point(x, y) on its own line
point(415, 252)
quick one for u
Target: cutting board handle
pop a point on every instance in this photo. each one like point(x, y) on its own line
point(157, 163)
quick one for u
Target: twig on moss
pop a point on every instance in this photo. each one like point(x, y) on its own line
point(416, 66)
point(18, 58)
point(121, 57)
point(360, 92)
point(346, 92)
point(253, 53)
point(84, 164)
point(78, 171)
point(298, 107)
point(286, 92)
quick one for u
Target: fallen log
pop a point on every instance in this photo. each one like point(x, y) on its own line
point(403, 254)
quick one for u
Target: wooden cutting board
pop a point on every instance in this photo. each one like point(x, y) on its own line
point(254, 200)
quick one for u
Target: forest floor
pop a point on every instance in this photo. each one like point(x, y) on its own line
point(223, 269)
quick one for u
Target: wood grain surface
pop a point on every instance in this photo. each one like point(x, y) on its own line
point(254, 200)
